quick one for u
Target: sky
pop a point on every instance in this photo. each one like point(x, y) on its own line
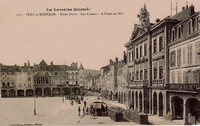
point(90, 39)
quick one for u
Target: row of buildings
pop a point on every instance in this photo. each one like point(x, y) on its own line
point(43, 79)
point(160, 71)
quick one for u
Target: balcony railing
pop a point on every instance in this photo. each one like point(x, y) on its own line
point(8, 87)
point(139, 83)
point(158, 83)
point(183, 87)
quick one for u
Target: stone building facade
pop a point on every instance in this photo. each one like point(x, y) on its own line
point(122, 79)
point(39, 80)
point(109, 79)
point(163, 65)
point(184, 66)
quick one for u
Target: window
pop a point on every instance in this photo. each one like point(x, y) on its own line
point(179, 76)
point(180, 32)
point(140, 51)
point(141, 75)
point(185, 77)
point(155, 73)
point(132, 75)
point(160, 72)
point(160, 43)
point(129, 76)
point(184, 55)
point(189, 54)
point(76, 82)
point(3, 84)
point(137, 75)
point(173, 59)
point(197, 52)
point(136, 53)
point(145, 49)
point(172, 76)
point(67, 82)
point(132, 56)
point(189, 27)
point(179, 57)
point(47, 81)
point(173, 35)
point(154, 46)
point(129, 56)
point(145, 74)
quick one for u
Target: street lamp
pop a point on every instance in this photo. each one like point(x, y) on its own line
point(63, 97)
point(34, 106)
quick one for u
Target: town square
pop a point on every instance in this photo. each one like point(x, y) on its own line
point(85, 63)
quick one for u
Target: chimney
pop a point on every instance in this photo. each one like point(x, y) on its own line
point(186, 6)
point(116, 60)
point(192, 9)
point(111, 62)
point(51, 63)
point(125, 57)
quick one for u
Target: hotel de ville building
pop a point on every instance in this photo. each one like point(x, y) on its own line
point(163, 61)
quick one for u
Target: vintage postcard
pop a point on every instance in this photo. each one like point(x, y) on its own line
point(99, 62)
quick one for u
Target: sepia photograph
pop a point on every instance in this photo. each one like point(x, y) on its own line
point(99, 62)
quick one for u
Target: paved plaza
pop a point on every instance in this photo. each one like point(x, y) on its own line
point(50, 111)
point(53, 111)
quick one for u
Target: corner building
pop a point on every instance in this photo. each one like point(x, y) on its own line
point(163, 65)
point(184, 67)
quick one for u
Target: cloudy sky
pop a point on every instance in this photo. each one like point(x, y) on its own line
point(92, 40)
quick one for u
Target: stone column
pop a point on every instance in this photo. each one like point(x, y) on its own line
point(185, 118)
point(152, 105)
point(143, 99)
point(24, 93)
point(158, 105)
point(134, 100)
point(15, 93)
point(42, 91)
point(51, 91)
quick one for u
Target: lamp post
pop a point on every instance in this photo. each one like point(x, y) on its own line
point(63, 97)
point(34, 106)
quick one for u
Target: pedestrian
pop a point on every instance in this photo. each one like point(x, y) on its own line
point(87, 110)
point(79, 111)
point(85, 103)
point(83, 110)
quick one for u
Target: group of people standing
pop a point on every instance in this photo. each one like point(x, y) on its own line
point(85, 109)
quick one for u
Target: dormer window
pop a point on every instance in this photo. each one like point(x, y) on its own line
point(155, 46)
point(136, 53)
point(140, 51)
point(145, 49)
point(132, 56)
point(173, 35)
point(129, 54)
point(160, 43)
point(180, 32)
point(190, 27)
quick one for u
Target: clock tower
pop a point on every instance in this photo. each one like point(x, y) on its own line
point(144, 20)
